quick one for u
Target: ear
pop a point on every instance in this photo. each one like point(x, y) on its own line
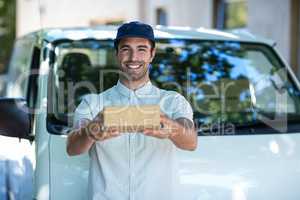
point(153, 54)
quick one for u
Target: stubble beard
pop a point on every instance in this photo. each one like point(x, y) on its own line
point(131, 76)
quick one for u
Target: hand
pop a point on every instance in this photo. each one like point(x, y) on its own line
point(96, 131)
point(168, 128)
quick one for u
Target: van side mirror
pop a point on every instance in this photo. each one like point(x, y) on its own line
point(14, 118)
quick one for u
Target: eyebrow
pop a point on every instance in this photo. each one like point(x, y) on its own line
point(124, 45)
point(139, 46)
point(143, 46)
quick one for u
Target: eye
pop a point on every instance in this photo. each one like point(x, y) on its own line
point(124, 49)
point(142, 49)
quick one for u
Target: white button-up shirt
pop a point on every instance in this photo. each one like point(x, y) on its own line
point(133, 166)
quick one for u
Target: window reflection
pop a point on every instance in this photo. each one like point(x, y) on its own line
point(228, 82)
point(225, 81)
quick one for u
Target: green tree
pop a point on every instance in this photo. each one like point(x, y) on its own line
point(7, 31)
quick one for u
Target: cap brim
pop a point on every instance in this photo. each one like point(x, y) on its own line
point(116, 41)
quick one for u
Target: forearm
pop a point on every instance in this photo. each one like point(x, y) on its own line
point(78, 142)
point(185, 136)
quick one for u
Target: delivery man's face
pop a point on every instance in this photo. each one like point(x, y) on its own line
point(134, 56)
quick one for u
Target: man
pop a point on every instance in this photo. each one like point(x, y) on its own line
point(140, 166)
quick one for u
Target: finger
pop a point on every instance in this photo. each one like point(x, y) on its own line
point(162, 113)
point(101, 136)
point(165, 120)
point(114, 133)
point(91, 136)
point(94, 127)
point(165, 132)
point(84, 122)
point(165, 117)
point(148, 131)
point(95, 130)
point(111, 132)
point(97, 134)
point(112, 128)
point(162, 116)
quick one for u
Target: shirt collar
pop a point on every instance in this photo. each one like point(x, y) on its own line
point(144, 90)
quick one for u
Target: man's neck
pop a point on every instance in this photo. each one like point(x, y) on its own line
point(134, 85)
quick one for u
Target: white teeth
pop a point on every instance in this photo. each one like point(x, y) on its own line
point(133, 66)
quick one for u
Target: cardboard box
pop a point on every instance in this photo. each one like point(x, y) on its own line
point(132, 118)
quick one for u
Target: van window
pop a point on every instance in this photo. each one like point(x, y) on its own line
point(227, 83)
point(19, 68)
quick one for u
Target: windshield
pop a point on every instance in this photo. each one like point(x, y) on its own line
point(225, 82)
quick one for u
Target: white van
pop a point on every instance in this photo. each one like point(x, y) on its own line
point(246, 103)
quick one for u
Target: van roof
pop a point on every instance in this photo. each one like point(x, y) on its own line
point(160, 32)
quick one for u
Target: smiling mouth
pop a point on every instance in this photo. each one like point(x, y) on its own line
point(135, 66)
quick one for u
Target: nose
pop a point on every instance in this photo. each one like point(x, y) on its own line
point(133, 55)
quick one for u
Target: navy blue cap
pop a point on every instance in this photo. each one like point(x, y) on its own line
point(134, 29)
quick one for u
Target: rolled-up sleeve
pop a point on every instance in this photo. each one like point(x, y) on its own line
point(83, 111)
point(182, 108)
